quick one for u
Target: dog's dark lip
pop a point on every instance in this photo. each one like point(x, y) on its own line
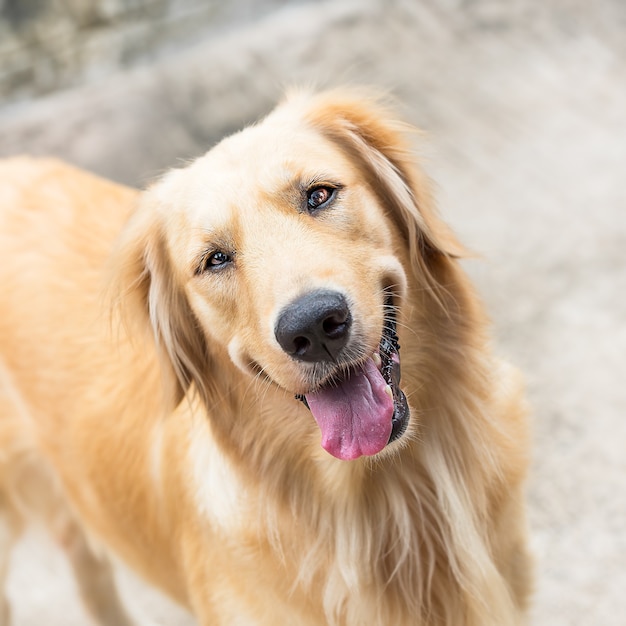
point(389, 353)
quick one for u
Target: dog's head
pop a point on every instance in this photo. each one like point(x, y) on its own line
point(286, 252)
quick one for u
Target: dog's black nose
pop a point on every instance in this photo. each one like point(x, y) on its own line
point(314, 327)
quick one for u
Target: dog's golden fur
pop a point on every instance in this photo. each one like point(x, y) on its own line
point(168, 431)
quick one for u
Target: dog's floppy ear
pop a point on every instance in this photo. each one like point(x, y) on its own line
point(146, 295)
point(372, 137)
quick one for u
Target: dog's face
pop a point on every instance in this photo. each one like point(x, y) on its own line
point(286, 250)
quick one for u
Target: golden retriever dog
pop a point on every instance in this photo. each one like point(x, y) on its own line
point(265, 383)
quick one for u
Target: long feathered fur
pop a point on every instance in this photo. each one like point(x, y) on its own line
point(217, 463)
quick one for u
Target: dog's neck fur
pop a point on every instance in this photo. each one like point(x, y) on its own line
point(405, 522)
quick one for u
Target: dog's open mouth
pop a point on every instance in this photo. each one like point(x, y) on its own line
point(363, 410)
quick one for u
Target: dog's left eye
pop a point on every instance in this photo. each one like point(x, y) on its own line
point(318, 197)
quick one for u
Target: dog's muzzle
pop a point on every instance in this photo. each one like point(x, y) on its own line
point(360, 407)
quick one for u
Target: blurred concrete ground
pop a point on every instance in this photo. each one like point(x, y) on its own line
point(524, 104)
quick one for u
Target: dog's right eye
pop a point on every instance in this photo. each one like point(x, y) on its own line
point(214, 261)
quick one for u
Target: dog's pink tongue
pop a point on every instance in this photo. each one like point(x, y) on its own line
point(355, 414)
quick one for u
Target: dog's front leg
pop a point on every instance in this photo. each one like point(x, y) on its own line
point(95, 578)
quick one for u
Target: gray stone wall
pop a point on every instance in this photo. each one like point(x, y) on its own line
point(46, 45)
